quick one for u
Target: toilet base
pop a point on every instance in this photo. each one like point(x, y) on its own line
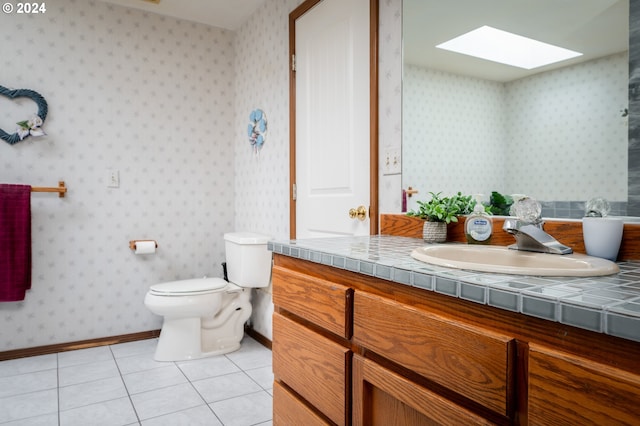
point(183, 339)
point(180, 341)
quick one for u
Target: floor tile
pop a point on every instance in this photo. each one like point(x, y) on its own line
point(84, 356)
point(139, 347)
point(88, 372)
point(157, 378)
point(136, 363)
point(32, 364)
point(117, 412)
point(251, 355)
point(28, 382)
point(198, 369)
point(225, 387)
point(121, 385)
point(198, 416)
point(166, 400)
point(44, 420)
point(244, 410)
point(87, 393)
point(262, 376)
point(29, 405)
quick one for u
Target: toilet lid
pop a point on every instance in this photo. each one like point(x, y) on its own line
point(189, 287)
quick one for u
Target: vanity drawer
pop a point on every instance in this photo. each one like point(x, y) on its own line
point(315, 367)
point(570, 390)
point(474, 362)
point(322, 302)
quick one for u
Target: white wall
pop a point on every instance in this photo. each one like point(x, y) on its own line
point(390, 100)
point(262, 180)
point(166, 102)
point(477, 136)
point(454, 133)
point(149, 96)
point(565, 127)
point(262, 81)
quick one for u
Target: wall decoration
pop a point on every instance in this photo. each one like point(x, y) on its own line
point(257, 129)
point(28, 127)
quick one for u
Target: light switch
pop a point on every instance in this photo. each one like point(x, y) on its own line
point(113, 178)
point(392, 161)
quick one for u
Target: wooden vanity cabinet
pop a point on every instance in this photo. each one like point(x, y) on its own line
point(354, 349)
point(569, 390)
point(311, 353)
point(382, 397)
point(473, 362)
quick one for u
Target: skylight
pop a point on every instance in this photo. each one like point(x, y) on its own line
point(507, 48)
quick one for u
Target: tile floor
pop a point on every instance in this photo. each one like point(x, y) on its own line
point(122, 385)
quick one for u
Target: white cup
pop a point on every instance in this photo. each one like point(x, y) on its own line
point(602, 236)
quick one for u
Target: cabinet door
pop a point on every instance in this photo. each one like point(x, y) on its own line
point(291, 411)
point(471, 361)
point(313, 366)
point(382, 397)
point(568, 390)
point(322, 302)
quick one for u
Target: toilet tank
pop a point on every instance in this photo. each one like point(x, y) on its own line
point(248, 260)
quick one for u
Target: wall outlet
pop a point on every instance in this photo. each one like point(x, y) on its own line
point(392, 161)
point(113, 178)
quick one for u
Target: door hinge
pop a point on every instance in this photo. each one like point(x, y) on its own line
point(294, 192)
point(293, 62)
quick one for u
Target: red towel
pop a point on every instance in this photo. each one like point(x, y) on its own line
point(15, 241)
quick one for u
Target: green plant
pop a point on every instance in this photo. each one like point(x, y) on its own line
point(499, 204)
point(444, 209)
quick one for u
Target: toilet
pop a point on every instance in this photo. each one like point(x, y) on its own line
point(205, 316)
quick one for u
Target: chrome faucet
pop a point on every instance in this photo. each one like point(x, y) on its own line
point(531, 237)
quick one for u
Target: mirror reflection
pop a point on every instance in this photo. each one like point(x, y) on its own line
point(558, 133)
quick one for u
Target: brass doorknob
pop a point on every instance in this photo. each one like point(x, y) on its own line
point(360, 213)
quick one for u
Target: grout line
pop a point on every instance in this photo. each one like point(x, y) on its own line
point(125, 386)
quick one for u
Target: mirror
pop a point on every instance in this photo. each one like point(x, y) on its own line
point(558, 133)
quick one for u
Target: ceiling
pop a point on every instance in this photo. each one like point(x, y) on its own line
point(228, 14)
point(597, 28)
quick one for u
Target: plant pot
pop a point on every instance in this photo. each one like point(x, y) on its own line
point(434, 232)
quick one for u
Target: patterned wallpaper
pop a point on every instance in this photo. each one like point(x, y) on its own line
point(149, 96)
point(261, 195)
point(446, 116)
point(389, 99)
point(166, 103)
point(568, 124)
point(262, 181)
point(501, 135)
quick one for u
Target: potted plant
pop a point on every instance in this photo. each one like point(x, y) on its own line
point(439, 212)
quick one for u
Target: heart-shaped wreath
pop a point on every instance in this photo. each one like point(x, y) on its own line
point(27, 127)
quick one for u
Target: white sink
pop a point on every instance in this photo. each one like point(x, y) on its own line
point(500, 259)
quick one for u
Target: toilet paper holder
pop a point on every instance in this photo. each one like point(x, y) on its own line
point(132, 243)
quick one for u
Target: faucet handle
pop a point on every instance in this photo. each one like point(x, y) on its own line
point(527, 210)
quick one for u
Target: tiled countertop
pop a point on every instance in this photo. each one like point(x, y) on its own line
point(609, 304)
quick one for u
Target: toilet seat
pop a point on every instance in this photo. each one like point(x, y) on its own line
point(193, 287)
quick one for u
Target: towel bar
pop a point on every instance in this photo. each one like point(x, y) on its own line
point(61, 189)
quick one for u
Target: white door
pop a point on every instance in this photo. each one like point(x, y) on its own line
point(332, 119)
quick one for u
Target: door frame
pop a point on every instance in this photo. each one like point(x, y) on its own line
point(373, 114)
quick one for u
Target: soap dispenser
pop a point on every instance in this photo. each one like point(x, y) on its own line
point(479, 225)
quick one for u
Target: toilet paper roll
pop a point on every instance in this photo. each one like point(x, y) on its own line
point(145, 247)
